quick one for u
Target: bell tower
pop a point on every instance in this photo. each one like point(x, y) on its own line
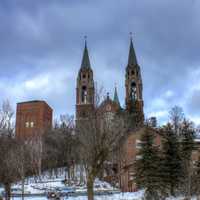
point(133, 84)
point(85, 88)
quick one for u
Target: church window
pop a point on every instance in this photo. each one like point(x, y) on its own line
point(132, 72)
point(133, 91)
point(84, 94)
point(84, 76)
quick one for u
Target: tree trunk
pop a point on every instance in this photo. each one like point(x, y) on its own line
point(90, 187)
point(8, 191)
point(69, 175)
point(23, 181)
point(81, 174)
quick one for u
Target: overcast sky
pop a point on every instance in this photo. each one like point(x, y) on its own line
point(41, 45)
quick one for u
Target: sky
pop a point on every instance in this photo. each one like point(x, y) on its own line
point(42, 41)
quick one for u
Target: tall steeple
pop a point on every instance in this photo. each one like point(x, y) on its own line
point(132, 60)
point(116, 99)
point(133, 83)
point(85, 60)
point(85, 87)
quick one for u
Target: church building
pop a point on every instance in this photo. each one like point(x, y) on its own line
point(85, 104)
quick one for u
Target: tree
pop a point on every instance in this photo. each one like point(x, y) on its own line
point(147, 174)
point(98, 135)
point(187, 133)
point(8, 160)
point(176, 116)
point(171, 165)
point(23, 162)
point(6, 119)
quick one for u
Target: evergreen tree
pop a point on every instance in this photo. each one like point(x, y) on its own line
point(171, 166)
point(187, 134)
point(146, 167)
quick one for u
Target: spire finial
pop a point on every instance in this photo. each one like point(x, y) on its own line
point(85, 39)
point(131, 35)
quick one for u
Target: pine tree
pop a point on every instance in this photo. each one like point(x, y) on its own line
point(187, 134)
point(146, 168)
point(171, 166)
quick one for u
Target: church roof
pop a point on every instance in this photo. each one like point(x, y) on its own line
point(132, 60)
point(85, 60)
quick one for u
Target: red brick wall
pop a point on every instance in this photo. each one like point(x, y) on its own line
point(129, 151)
point(37, 112)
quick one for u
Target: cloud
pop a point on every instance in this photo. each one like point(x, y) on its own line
point(42, 42)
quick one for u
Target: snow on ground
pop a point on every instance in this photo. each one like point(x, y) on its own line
point(121, 196)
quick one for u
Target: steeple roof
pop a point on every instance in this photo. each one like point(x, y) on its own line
point(85, 60)
point(116, 99)
point(132, 60)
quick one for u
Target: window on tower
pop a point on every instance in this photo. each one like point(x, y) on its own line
point(133, 91)
point(84, 94)
point(27, 124)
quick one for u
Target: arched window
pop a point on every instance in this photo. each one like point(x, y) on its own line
point(84, 94)
point(133, 91)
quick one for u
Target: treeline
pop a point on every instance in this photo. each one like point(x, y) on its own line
point(89, 145)
point(168, 169)
point(20, 159)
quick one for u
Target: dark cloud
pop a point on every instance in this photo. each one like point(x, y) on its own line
point(46, 37)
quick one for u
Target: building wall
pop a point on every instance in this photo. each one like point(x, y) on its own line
point(32, 118)
point(129, 151)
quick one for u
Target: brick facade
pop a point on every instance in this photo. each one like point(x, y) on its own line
point(32, 118)
point(128, 154)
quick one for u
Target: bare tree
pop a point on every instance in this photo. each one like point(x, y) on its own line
point(176, 116)
point(6, 119)
point(23, 162)
point(98, 136)
point(8, 160)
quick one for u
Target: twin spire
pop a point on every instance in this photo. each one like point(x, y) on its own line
point(132, 61)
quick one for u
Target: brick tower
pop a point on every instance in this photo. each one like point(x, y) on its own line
point(133, 84)
point(85, 88)
point(33, 118)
